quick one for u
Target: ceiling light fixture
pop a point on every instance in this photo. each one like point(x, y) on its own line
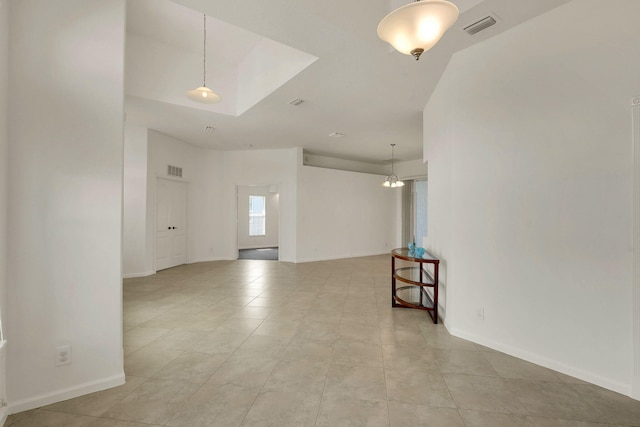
point(203, 93)
point(416, 27)
point(392, 180)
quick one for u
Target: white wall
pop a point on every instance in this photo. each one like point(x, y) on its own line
point(136, 256)
point(65, 205)
point(272, 213)
point(344, 214)
point(530, 189)
point(4, 166)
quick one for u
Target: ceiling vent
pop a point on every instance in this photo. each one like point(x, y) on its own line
point(296, 101)
point(480, 25)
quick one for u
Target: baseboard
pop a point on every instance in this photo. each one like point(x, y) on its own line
point(66, 393)
point(343, 256)
point(540, 360)
point(4, 413)
point(134, 275)
point(211, 259)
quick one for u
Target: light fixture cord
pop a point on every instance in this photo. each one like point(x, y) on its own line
point(204, 54)
point(392, 147)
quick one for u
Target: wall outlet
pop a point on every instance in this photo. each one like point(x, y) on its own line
point(480, 313)
point(63, 355)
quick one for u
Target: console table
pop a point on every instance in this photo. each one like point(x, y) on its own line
point(417, 278)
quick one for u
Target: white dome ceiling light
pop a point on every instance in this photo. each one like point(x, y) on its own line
point(416, 27)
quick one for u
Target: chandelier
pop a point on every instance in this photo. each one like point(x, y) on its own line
point(392, 180)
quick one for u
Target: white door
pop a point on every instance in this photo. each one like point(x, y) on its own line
point(171, 223)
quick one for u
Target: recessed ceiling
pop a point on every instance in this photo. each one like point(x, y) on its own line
point(263, 54)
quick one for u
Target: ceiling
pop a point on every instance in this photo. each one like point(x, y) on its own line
point(263, 54)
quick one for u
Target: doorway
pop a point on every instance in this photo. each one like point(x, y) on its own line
point(414, 212)
point(258, 222)
point(171, 224)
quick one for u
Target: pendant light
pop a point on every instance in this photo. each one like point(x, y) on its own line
point(392, 180)
point(416, 27)
point(203, 94)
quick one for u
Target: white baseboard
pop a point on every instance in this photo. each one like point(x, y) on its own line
point(4, 413)
point(211, 259)
point(66, 393)
point(343, 256)
point(589, 377)
point(134, 275)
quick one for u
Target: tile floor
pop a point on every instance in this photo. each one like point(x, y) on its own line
point(264, 343)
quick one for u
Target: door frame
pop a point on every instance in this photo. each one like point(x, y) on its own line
point(278, 187)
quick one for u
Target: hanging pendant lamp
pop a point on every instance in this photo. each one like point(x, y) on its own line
point(203, 94)
point(392, 180)
point(416, 27)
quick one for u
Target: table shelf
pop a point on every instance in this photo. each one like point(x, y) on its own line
point(419, 289)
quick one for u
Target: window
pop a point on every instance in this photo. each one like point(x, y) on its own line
point(257, 216)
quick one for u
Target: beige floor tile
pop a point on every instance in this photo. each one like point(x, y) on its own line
point(220, 341)
point(418, 388)
point(263, 346)
point(483, 394)
point(358, 382)
point(279, 409)
point(272, 337)
point(308, 351)
point(511, 367)
point(104, 422)
point(178, 339)
point(220, 405)
point(277, 328)
point(300, 376)
point(96, 404)
point(154, 402)
point(139, 336)
point(146, 362)
point(193, 367)
point(350, 412)
point(248, 371)
point(613, 407)
point(555, 422)
point(496, 419)
point(463, 362)
point(357, 353)
point(554, 400)
point(411, 415)
point(409, 358)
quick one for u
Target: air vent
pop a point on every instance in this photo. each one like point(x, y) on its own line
point(482, 24)
point(296, 101)
point(174, 171)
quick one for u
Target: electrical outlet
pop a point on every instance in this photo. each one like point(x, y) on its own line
point(63, 355)
point(480, 313)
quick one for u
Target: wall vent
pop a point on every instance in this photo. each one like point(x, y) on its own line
point(480, 25)
point(174, 171)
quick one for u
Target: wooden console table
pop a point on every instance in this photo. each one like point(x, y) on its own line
point(417, 277)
